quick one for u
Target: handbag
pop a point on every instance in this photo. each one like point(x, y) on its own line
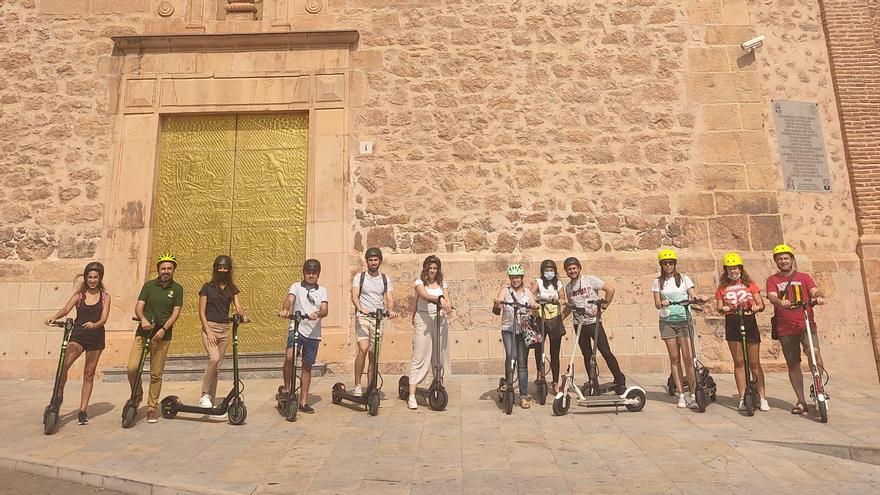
point(527, 329)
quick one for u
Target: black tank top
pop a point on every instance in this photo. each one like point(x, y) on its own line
point(86, 313)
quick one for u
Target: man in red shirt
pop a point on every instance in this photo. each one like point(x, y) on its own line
point(786, 288)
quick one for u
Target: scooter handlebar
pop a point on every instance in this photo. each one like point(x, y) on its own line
point(377, 313)
point(801, 304)
point(297, 316)
point(60, 323)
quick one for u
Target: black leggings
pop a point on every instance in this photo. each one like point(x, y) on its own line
point(586, 344)
point(555, 346)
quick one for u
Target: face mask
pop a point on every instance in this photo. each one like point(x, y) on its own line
point(732, 277)
point(549, 275)
point(222, 276)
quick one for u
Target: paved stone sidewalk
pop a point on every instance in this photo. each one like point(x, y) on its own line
point(470, 448)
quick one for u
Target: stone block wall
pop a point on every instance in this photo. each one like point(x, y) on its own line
point(503, 131)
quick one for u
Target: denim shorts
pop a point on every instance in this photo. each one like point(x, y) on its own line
point(308, 348)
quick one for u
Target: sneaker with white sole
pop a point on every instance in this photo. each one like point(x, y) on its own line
point(742, 405)
point(765, 406)
point(693, 402)
point(682, 401)
point(358, 391)
point(412, 403)
point(206, 401)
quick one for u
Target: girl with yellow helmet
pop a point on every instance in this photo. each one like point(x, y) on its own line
point(736, 289)
point(669, 287)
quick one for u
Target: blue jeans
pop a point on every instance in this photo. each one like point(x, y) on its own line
point(515, 344)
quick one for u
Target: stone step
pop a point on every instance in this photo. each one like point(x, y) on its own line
point(192, 368)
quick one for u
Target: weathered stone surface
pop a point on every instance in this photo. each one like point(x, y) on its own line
point(505, 243)
point(699, 204)
point(751, 203)
point(608, 223)
point(475, 240)
point(766, 231)
point(589, 240)
point(36, 244)
point(381, 237)
point(729, 232)
point(530, 239)
point(424, 243)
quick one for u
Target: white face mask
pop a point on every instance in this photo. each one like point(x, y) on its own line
point(734, 277)
point(549, 275)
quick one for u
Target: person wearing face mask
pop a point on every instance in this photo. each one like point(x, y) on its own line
point(514, 344)
point(549, 290)
point(738, 289)
point(215, 297)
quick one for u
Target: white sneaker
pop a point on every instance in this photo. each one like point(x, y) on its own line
point(358, 391)
point(412, 403)
point(693, 404)
point(205, 401)
point(764, 405)
point(682, 401)
point(742, 405)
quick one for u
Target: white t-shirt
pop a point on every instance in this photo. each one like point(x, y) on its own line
point(372, 295)
point(308, 300)
point(507, 312)
point(549, 293)
point(675, 294)
point(579, 292)
point(422, 304)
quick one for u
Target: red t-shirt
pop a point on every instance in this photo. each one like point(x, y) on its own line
point(738, 293)
point(791, 321)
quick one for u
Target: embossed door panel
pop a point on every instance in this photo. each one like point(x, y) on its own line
point(234, 184)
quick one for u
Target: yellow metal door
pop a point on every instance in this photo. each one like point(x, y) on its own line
point(234, 184)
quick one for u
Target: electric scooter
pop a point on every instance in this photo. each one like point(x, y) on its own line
point(232, 405)
point(370, 398)
point(435, 394)
point(288, 403)
point(507, 383)
point(706, 389)
point(541, 383)
point(50, 414)
point(129, 410)
point(750, 399)
point(633, 397)
point(817, 388)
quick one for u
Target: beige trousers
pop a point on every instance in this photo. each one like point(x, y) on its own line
point(216, 352)
point(158, 351)
point(423, 345)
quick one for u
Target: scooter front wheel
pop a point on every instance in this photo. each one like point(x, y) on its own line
point(237, 413)
point(169, 406)
point(749, 404)
point(437, 398)
point(336, 394)
point(129, 412)
point(508, 402)
point(823, 411)
point(541, 393)
point(403, 387)
point(50, 420)
point(670, 386)
point(701, 398)
point(561, 405)
point(373, 404)
point(291, 408)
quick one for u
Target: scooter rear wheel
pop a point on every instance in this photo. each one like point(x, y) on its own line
point(129, 412)
point(336, 394)
point(701, 398)
point(508, 402)
point(438, 398)
point(561, 405)
point(373, 404)
point(291, 408)
point(169, 406)
point(541, 393)
point(237, 412)
point(823, 411)
point(638, 398)
point(50, 421)
point(403, 388)
point(670, 386)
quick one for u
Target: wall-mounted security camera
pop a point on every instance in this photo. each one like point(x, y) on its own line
point(753, 44)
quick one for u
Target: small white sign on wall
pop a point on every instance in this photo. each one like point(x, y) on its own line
point(801, 146)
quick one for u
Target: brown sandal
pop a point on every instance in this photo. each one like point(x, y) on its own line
point(799, 408)
point(525, 404)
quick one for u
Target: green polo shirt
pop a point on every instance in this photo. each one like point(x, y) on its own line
point(159, 302)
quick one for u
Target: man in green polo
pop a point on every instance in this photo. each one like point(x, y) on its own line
point(158, 304)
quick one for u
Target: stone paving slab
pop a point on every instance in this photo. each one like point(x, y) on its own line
point(472, 447)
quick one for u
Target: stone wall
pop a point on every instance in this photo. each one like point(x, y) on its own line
point(503, 131)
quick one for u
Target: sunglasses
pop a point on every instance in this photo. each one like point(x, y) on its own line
point(667, 263)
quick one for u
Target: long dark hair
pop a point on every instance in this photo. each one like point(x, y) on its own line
point(92, 267)
point(555, 280)
point(426, 265)
point(725, 280)
point(216, 281)
point(663, 276)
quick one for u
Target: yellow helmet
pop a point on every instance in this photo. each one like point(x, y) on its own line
point(166, 257)
point(732, 259)
point(782, 249)
point(667, 254)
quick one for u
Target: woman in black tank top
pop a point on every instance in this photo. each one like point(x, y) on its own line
point(92, 305)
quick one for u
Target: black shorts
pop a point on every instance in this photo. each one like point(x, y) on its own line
point(731, 329)
point(91, 339)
